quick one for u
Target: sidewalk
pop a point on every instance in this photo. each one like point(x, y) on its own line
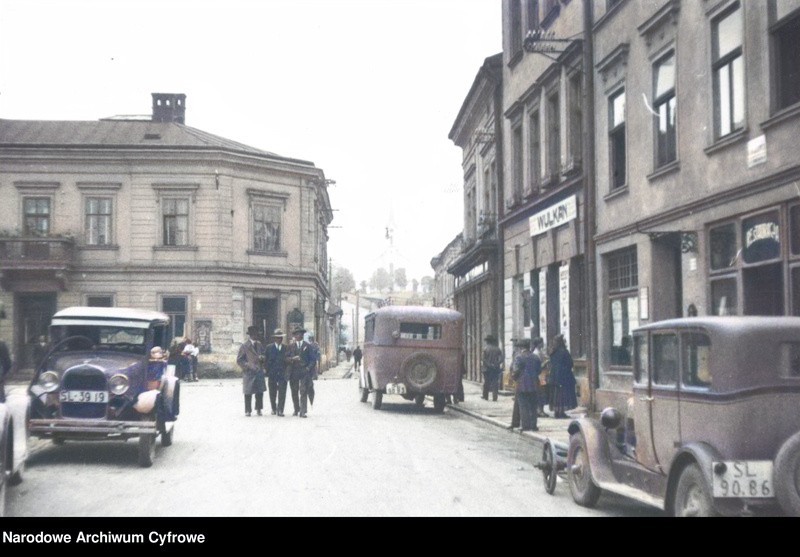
point(496, 413)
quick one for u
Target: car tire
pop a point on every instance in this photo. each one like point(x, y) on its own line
point(419, 401)
point(420, 371)
point(787, 476)
point(364, 394)
point(377, 399)
point(16, 477)
point(692, 494)
point(166, 435)
point(439, 402)
point(579, 473)
point(147, 450)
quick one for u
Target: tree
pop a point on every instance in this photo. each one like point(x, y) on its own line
point(342, 282)
point(380, 280)
point(363, 285)
point(400, 278)
point(415, 285)
point(427, 285)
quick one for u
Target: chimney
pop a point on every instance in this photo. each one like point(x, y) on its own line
point(169, 107)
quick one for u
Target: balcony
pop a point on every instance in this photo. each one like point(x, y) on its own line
point(43, 260)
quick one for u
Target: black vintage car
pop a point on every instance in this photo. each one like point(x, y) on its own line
point(92, 384)
point(711, 426)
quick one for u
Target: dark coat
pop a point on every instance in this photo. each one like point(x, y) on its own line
point(248, 359)
point(303, 361)
point(527, 367)
point(562, 377)
point(275, 362)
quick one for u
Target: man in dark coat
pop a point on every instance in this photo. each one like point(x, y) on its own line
point(527, 367)
point(492, 364)
point(277, 372)
point(303, 360)
point(251, 359)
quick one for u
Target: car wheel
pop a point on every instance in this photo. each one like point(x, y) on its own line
point(377, 400)
point(692, 497)
point(439, 402)
point(147, 450)
point(548, 466)
point(787, 476)
point(166, 436)
point(364, 394)
point(419, 400)
point(420, 371)
point(579, 473)
point(16, 477)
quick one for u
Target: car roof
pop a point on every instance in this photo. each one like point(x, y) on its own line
point(418, 313)
point(733, 324)
point(132, 314)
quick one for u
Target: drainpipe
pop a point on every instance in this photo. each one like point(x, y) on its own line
point(590, 197)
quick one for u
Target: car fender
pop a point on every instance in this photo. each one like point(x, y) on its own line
point(19, 405)
point(700, 453)
point(596, 448)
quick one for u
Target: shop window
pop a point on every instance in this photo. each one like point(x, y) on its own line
point(665, 359)
point(794, 229)
point(763, 289)
point(761, 238)
point(723, 246)
point(175, 307)
point(728, 71)
point(723, 297)
point(696, 359)
point(623, 281)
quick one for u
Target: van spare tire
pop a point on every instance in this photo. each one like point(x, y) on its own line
point(420, 371)
point(787, 476)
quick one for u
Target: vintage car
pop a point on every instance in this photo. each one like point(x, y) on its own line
point(14, 409)
point(412, 351)
point(92, 384)
point(712, 427)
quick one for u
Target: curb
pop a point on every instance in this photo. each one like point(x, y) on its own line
point(536, 437)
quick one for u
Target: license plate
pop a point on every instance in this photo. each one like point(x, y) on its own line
point(100, 397)
point(744, 478)
point(395, 389)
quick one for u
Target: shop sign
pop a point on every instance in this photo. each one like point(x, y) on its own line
point(543, 303)
point(554, 216)
point(762, 239)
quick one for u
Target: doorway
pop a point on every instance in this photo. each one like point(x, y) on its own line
point(265, 316)
point(33, 315)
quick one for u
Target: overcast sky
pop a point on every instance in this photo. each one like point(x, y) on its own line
point(365, 89)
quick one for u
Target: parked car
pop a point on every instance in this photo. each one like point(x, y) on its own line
point(14, 409)
point(92, 384)
point(712, 427)
point(412, 351)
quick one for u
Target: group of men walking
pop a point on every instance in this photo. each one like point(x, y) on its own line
point(275, 366)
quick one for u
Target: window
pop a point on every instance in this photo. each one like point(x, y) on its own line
point(616, 139)
point(696, 359)
point(723, 297)
point(640, 370)
point(515, 24)
point(98, 221)
point(37, 216)
point(575, 120)
point(175, 307)
point(728, 71)
point(786, 45)
point(665, 359)
point(176, 221)
point(553, 137)
point(664, 105)
point(623, 282)
point(104, 301)
point(536, 150)
point(420, 331)
point(532, 8)
point(266, 228)
point(517, 154)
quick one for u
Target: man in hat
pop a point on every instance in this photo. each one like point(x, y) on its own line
point(527, 367)
point(303, 359)
point(277, 372)
point(250, 359)
point(492, 364)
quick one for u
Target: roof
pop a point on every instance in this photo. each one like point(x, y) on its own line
point(116, 133)
point(419, 312)
point(131, 314)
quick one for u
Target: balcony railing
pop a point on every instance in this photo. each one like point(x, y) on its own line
point(36, 253)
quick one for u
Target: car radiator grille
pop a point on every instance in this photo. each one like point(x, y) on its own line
point(83, 379)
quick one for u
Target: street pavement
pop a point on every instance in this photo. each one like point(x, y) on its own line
point(497, 413)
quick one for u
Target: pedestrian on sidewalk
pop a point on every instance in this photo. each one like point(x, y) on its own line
point(563, 382)
point(303, 359)
point(527, 367)
point(538, 349)
point(492, 364)
point(277, 372)
point(357, 355)
point(250, 359)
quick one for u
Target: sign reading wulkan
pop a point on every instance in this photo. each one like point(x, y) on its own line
point(556, 215)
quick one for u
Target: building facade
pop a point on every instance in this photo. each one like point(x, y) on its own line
point(698, 109)
point(444, 284)
point(153, 214)
point(545, 205)
point(478, 269)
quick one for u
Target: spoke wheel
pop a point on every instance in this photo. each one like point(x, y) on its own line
point(549, 470)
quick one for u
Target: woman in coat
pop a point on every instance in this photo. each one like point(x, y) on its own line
point(562, 379)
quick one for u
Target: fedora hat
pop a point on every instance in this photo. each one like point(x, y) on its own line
point(490, 339)
point(298, 331)
point(278, 333)
point(252, 329)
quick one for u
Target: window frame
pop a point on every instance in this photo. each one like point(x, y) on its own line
point(627, 294)
point(718, 65)
point(88, 217)
point(666, 151)
point(47, 217)
point(613, 132)
point(779, 27)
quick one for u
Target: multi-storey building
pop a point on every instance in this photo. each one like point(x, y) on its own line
point(544, 221)
point(151, 213)
point(478, 269)
point(698, 112)
point(444, 284)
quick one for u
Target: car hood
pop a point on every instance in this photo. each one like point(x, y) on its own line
point(111, 363)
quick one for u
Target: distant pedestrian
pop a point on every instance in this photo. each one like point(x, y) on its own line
point(357, 355)
point(348, 353)
point(527, 367)
point(250, 359)
point(562, 380)
point(190, 360)
point(277, 368)
point(317, 366)
point(538, 349)
point(492, 364)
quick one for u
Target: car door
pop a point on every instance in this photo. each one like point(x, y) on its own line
point(640, 405)
point(665, 394)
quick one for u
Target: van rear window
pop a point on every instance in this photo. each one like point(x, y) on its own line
point(420, 331)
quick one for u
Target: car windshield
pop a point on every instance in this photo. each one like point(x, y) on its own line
point(102, 337)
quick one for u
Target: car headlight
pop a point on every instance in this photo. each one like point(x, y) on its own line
point(49, 381)
point(118, 384)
